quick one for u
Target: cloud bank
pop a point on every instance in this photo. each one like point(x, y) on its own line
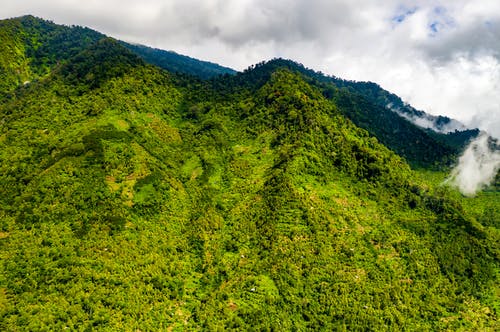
point(477, 167)
point(440, 56)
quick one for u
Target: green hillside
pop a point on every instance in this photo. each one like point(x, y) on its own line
point(35, 47)
point(365, 104)
point(32, 47)
point(138, 199)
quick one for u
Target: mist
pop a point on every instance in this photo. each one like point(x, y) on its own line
point(430, 122)
point(477, 166)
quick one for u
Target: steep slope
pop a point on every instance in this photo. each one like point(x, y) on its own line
point(420, 147)
point(14, 67)
point(33, 47)
point(36, 46)
point(137, 199)
point(365, 103)
point(448, 131)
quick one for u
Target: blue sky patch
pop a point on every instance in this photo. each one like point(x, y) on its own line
point(403, 14)
point(434, 26)
point(441, 20)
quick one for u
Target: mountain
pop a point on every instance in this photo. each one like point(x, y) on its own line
point(134, 198)
point(365, 104)
point(177, 63)
point(42, 45)
point(34, 47)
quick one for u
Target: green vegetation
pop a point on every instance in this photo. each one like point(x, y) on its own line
point(365, 104)
point(137, 199)
point(32, 48)
point(177, 63)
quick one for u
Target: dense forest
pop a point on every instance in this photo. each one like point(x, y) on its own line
point(140, 198)
point(32, 47)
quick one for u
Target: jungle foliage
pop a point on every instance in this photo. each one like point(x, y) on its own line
point(134, 198)
point(32, 48)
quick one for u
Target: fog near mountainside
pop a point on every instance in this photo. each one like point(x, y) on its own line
point(477, 167)
point(429, 122)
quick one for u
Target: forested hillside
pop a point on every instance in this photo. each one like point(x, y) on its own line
point(365, 104)
point(134, 198)
point(32, 47)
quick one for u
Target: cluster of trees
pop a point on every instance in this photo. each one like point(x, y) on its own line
point(134, 198)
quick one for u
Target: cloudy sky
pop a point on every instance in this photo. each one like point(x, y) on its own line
point(440, 56)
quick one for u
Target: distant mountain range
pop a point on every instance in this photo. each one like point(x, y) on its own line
point(145, 190)
point(178, 63)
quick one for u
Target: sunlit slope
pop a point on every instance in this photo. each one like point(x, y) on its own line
point(365, 104)
point(137, 199)
point(33, 47)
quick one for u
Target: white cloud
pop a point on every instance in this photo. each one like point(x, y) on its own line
point(441, 56)
point(477, 167)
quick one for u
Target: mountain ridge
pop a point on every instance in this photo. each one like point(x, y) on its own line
point(174, 62)
point(44, 44)
point(369, 114)
point(137, 198)
point(42, 60)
